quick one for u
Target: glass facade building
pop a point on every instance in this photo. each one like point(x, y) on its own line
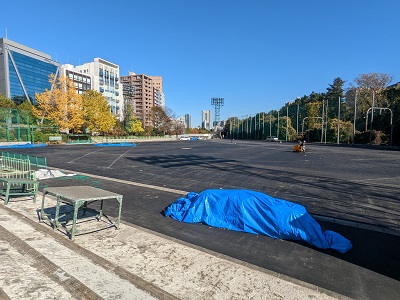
point(24, 71)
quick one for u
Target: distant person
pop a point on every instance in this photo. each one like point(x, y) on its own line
point(302, 146)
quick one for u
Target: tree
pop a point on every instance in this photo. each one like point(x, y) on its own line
point(345, 133)
point(161, 119)
point(286, 123)
point(25, 110)
point(135, 126)
point(61, 105)
point(96, 112)
point(374, 81)
point(334, 92)
point(6, 102)
point(370, 87)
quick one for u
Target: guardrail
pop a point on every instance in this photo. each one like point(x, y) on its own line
point(39, 162)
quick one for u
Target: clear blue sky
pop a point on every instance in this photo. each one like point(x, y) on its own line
point(256, 54)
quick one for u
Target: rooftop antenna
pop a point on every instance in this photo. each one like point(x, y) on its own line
point(217, 103)
point(6, 34)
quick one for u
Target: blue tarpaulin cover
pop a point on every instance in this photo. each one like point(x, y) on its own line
point(27, 145)
point(257, 213)
point(123, 144)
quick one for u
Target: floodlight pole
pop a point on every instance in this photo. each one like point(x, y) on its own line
point(217, 103)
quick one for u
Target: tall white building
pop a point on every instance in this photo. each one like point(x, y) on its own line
point(82, 82)
point(104, 79)
point(206, 119)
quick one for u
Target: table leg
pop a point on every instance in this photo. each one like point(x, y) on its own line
point(119, 212)
point(35, 190)
point(56, 223)
point(41, 210)
point(73, 229)
point(7, 197)
point(101, 210)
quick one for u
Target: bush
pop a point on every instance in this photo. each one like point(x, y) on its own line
point(377, 138)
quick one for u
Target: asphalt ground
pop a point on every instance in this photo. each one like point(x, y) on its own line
point(352, 191)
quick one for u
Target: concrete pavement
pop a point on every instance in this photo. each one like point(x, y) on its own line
point(130, 263)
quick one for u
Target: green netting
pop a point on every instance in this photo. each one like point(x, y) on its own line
point(17, 126)
point(14, 125)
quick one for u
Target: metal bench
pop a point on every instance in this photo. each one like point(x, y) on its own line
point(55, 139)
point(18, 187)
point(17, 178)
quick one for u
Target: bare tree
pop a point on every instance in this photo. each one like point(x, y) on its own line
point(370, 87)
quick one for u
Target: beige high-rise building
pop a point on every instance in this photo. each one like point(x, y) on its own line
point(147, 93)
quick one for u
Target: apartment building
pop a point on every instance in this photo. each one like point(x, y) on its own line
point(158, 90)
point(24, 71)
point(82, 82)
point(105, 79)
point(147, 93)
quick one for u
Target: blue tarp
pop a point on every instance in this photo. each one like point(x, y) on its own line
point(115, 145)
point(257, 213)
point(27, 145)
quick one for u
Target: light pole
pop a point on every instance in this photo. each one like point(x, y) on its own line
point(287, 118)
point(338, 122)
point(297, 121)
point(326, 118)
point(372, 116)
point(263, 127)
point(277, 129)
point(355, 115)
point(323, 116)
point(270, 124)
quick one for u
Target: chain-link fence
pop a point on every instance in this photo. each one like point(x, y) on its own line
point(337, 121)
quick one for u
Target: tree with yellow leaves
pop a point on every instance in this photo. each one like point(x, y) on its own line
point(135, 126)
point(96, 112)
point(61, 105)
